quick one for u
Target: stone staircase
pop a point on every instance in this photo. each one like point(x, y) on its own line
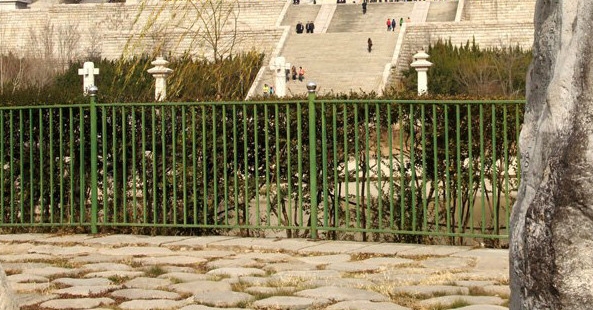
point(420, 12)
point(335, 57)
point(340, 62)
point(349, 17)
point(442, 11)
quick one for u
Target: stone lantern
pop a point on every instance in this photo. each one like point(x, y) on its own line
point(421, 64)
point(160, 72)
point(279, 67)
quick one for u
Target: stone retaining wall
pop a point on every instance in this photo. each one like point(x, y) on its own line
point(486, 34)
point(107, 27)
point(503, 11)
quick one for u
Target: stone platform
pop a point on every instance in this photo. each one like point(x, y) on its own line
point(191, 273)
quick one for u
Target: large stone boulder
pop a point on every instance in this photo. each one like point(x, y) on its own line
point(6, 298)
point(551, 250)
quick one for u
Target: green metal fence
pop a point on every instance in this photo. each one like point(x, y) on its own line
point(350, 169)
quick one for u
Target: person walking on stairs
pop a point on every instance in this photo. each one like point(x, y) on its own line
point(370, 44)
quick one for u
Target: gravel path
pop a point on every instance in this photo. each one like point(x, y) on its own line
point(194, 273)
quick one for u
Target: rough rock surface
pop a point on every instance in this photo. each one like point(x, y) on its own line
point(6, 296)
point(552, 221)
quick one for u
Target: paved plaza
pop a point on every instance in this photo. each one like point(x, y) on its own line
point(224, 272)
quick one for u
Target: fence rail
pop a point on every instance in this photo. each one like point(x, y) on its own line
point(351, 169)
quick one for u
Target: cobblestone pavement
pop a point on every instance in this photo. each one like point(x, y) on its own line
point(193, 273)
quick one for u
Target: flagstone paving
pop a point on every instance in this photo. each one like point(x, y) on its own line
point(223, 272)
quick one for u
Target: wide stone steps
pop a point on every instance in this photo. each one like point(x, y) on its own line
point(349, 17)
point(300, 13)
point(337, 62)
point(442, 11)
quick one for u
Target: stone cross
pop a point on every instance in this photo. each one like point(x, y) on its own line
point(160, 72)
point(279, 66)
point(88, 73)
point(421, 65)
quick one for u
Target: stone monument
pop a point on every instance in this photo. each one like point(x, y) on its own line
point(421, 64)
point(6, 297)
point(551, 244)
point(88, 73)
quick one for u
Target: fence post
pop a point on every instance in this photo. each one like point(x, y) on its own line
point(311, 86)
point(92, 90)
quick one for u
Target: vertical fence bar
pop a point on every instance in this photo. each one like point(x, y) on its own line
point(81, 139)
point(94, 167)
point(378, 159)
point(31, 168)
point(291, 210)
point(324, 164)
point(71, 158)
point(506, 166)
point(413, 168)
point(460, 227)
point(174, 161)
point(51, 166)
point(194, 153)
point(424, 172)
point(134, 173)
point(391, 184)
point(22, 161)
point(2, 209)
point(470, 167)
point(366, 212)
point(357, 165)
point(245, 163)
point(11, 146)
point(267, 162)
point(235, 166)
point(255, 148)
point(436, 170)
point(447, 171)
point(226, 183)
point(277, 163)
point(61, 174)
point(495, 206)
point(336, 205)
point(154, 163)
point(346, 163)
point(215, 168)
point(482, 167)
point(204, 169)
point(300, 161)
point(114, 155)
point(41, 166)
point(104, 159)
point(124, 168)
point(312, 159)
point(402, 176)
point(184, 162)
